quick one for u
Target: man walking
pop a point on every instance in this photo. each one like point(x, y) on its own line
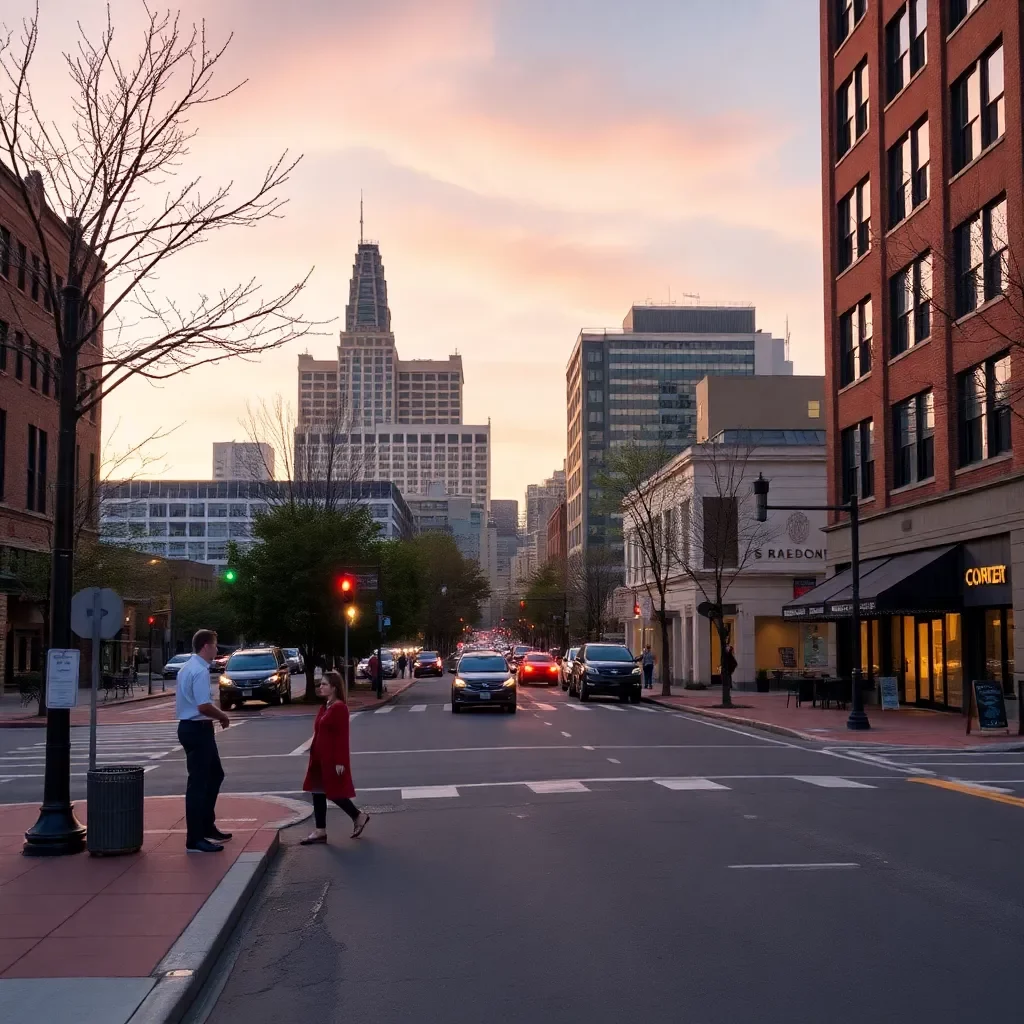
point(196, 713)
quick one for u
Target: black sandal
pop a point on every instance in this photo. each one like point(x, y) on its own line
point(358, 830)
point(313, 840)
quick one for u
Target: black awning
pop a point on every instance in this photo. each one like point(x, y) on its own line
point(917, 582)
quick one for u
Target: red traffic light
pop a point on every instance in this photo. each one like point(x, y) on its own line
point(522, 605)
point(636, 609)
point(346, 585)
point(152, 620)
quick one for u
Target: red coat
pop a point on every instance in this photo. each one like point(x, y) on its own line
point(330, 748)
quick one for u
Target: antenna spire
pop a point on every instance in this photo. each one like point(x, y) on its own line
point(360, 216)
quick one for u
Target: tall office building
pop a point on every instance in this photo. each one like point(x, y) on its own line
point(923, 215)
point(505, 513)
point(242, 460)
point(638, 385)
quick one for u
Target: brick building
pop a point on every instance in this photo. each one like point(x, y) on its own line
point(923, 228)
point(30, 369)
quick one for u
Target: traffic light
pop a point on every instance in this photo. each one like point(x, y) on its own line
point(151, 621)
point(522, 606)
point(636, 609)
point(346, 585)
point(230, 576)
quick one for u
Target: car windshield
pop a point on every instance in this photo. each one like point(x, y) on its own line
point(609, 652)
point(179, 658)
point(539, 659)
point(427, 656)
point(291, 652)
point(251, 662)
point(573, 651)
point(520, 650)
point(491, 663)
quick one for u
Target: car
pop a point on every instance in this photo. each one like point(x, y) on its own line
point(172, 665)
point(427, 663)
point(388, 665)
point(516, 654)
point(256, 673)
point(537, 667)
point(606, 669)
point(363, 669)
point(484, 680)
point(566, 667)
point(295, 661)
point(452, 661)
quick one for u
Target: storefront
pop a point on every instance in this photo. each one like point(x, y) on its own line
point(934, 619)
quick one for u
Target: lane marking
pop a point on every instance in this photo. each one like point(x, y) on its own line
point(646, 711)
point(418, 707)
point(544, 707)
point(568, 786)
point(837, 866)
point(588, 748)
point(301, 748)
point(614, 760)
point(969, 790)
point(387, 709)
point(428, 792)
point(831, 782)
point(547, 723)
point(609, 707)
point(447, 707)
point(575, 707)
point(679, 784)
point(567, 735)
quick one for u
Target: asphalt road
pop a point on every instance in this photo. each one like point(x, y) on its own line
point(609, 863)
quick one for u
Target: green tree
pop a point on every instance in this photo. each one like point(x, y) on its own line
point(207, 608)
point(453, 588)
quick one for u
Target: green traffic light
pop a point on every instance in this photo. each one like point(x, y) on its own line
point(230, 575)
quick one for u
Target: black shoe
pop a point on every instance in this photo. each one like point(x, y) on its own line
point(216, 836)
point(203, 846)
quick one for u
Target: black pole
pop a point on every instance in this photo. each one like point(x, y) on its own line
point(57, 831)
point(858, 719)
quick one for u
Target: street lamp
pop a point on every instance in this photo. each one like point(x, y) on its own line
point(858, 719)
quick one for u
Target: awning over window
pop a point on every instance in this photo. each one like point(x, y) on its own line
point(917, 582)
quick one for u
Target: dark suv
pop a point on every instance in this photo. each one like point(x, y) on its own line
point(256, 673)
point(606, 669)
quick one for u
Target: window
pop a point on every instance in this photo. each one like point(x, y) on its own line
point(814, 409)
point(979, 108)
point(19, 356)
point(959, 9)
point(45, 372)
point(178, 511)
point(33, 365)
point(5, 252)
point(908, 173)
point(158, 529)
point(852, 108)
point(983, 410)
point(22, 264)
point(197, 510)
point(849, 14)
point(35, 491)
point(854, 344)
point(197, 529)
point(36, 275)
point(905, 44)
point(858, 460)
point(721, 532)
point(910, 292)
point(3, 451)
point(4, 334)
point(913, 428)
point(595, 396)
point(178, 529)
point(854, 224)
point(158, 510)
point(980, 260)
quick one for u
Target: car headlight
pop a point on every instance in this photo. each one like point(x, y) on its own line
point(460, 683)
point(225, 681)
point(509, 682)
point(637, 671)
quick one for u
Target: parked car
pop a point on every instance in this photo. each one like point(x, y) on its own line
point(256, 673)
point(172, 666)
point(427, 663)
point(537, 668)
point(566, 667)
point(363, 669)
point(224, 651)
point(296, 665)
point(388, 664)
point(484, 680)
point(606, 669)
point(516, 654)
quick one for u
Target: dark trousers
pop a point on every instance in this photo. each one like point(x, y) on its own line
point(648, 677)
point(204, 778)
point(320, 809)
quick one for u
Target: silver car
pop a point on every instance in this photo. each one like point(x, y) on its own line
point(566, 666)
point(295, 663)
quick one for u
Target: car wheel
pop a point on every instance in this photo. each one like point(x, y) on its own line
point(511, 709)
point(275, 700)
point(455, 708)
point(288, 692)
point(624, 697)
point(225, 705)
point(584, 692)
point(634, 697)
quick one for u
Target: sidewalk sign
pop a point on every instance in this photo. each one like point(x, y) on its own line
point(889, 688)
point(787, 657)
point(986, 697)
point(62, 677)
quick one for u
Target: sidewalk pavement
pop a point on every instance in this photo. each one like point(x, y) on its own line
point(910, 727)
point(107, 940)
point(13, 713)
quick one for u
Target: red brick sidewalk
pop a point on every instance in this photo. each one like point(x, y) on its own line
point(907, 727)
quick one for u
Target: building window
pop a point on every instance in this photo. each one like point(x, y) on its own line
point(855, 343)
point(910, 292)
point(913, 427)
point(854, 224)
point(5, 253)
point(35, 491)
point(721, 532)
point(959, 9)
point(22, 264)
point(852, 108)
point(849, 13)
point(858, 460)
point(979, 108)
point(4, 335)
point(908, 173)
point(983, 410)
point(158, 511)
point(905, 45)
point(814, 409)
point(33, 365)
point(980, 257)
point(3, 451)
point(19, 356)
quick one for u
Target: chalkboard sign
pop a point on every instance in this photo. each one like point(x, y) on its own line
point(889, 687)
point(988, 700)
point(787, 657)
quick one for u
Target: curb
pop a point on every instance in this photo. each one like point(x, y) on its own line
point(35, 722)
point(199, 945)
point(778, 730)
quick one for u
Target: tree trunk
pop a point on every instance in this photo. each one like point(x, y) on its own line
point(726, 672)
point(666, 653)
point(310, 665)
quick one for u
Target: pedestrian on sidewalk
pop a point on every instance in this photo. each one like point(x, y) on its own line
point(329, 775)
point(402, 662)
point(647, 661)
point(196, 713)
point(373, 671)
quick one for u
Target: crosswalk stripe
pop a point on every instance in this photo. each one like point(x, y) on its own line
point(302, 748)
point(418, 707)
point(545, 707)
point(832, 782)
point(575, 707)
point(609, 707)
point(447, 707)
point(706, 784)
point(387, 709)
point(428, 792)
point(567, 786)
point(647, 711)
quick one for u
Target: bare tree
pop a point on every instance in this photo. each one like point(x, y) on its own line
point(591, 578)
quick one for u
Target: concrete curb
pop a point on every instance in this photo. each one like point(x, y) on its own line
point(34, 722)
point(201, 942)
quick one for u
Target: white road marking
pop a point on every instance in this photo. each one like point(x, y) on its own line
point(567, 735)
point(428, 792)
point(609, 707)
point(689, 784)
point(588, 748)
point(792, 867)
point(614, 760)
point(387, 709)
point(647, 711)
point(547, 723)
point(301, 748)
point(575, 707)
point(418, 707)
point(831, 782)
point(544, 707)
point(447, 707)
point(558, 786)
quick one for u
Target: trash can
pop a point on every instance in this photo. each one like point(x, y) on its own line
point(114, 795)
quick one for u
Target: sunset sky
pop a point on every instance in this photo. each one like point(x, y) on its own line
point(530, 167)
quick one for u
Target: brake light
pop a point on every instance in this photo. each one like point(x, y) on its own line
point(552, 668)
point(527, 668)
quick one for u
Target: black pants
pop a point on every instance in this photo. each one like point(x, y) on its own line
point(204, 778)
point(320, 809)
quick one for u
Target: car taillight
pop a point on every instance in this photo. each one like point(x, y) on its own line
point(552, 668)
point(527, 668)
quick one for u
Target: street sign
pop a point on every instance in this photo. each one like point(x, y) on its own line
point(380, 607)
point(385, 621)
point(366, 580)
point(62, 677)
point(111, 613)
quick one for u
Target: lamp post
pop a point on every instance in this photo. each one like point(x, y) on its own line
point(858, 719)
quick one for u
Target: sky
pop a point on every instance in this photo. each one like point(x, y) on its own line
point(530, 168)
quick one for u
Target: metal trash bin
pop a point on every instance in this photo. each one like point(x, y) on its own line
point(115, 801)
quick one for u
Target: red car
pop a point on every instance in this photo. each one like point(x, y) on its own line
point(427, 663)
point(537, 668)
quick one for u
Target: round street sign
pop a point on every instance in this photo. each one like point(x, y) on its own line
point(111, 612)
